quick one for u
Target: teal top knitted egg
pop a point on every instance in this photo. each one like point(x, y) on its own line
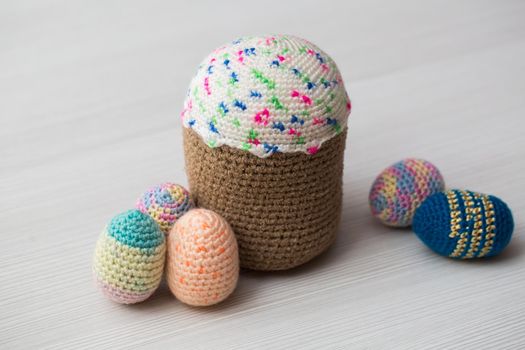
point(129, 257)
point(464, 224)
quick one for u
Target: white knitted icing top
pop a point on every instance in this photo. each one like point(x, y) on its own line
point(267, 94)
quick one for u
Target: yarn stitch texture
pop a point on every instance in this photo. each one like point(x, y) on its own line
point(266, 95)
point(165, 203)
point(129, 258)
point(284, 209)
point(464, 224)
point(401, 188)
point(203, 261)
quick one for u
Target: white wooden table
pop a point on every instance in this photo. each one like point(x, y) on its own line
point(90, 94)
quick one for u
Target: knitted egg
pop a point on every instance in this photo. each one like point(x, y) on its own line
point(129, 257)
point(203, 261)
point(401, 188)
point(165, 203)
point(464, 224)
point(265, 124)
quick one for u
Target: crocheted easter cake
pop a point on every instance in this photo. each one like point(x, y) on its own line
point(265, 123)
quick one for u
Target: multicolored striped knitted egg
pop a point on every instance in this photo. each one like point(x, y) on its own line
point(129, 257)
point(165, 203)
point(203, 259)
point(401, 188)
point(464, 224)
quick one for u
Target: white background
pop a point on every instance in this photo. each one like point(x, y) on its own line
point(90, 96)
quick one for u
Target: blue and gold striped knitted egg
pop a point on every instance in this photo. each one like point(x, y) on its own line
point(464, 224)
point(129, 257)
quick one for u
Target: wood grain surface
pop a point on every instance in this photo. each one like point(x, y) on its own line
point(90, 95)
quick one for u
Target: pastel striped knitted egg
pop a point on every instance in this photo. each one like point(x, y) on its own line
point(203, 260)
point(129, 257)
point(165, 203)
point(401, 188)
point(464, 224)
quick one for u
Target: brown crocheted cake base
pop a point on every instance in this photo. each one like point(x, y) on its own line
point(284, 209)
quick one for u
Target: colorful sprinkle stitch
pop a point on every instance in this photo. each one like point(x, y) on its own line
point(282, 89)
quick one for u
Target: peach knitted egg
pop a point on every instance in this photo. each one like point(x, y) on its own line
point(203, 259)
